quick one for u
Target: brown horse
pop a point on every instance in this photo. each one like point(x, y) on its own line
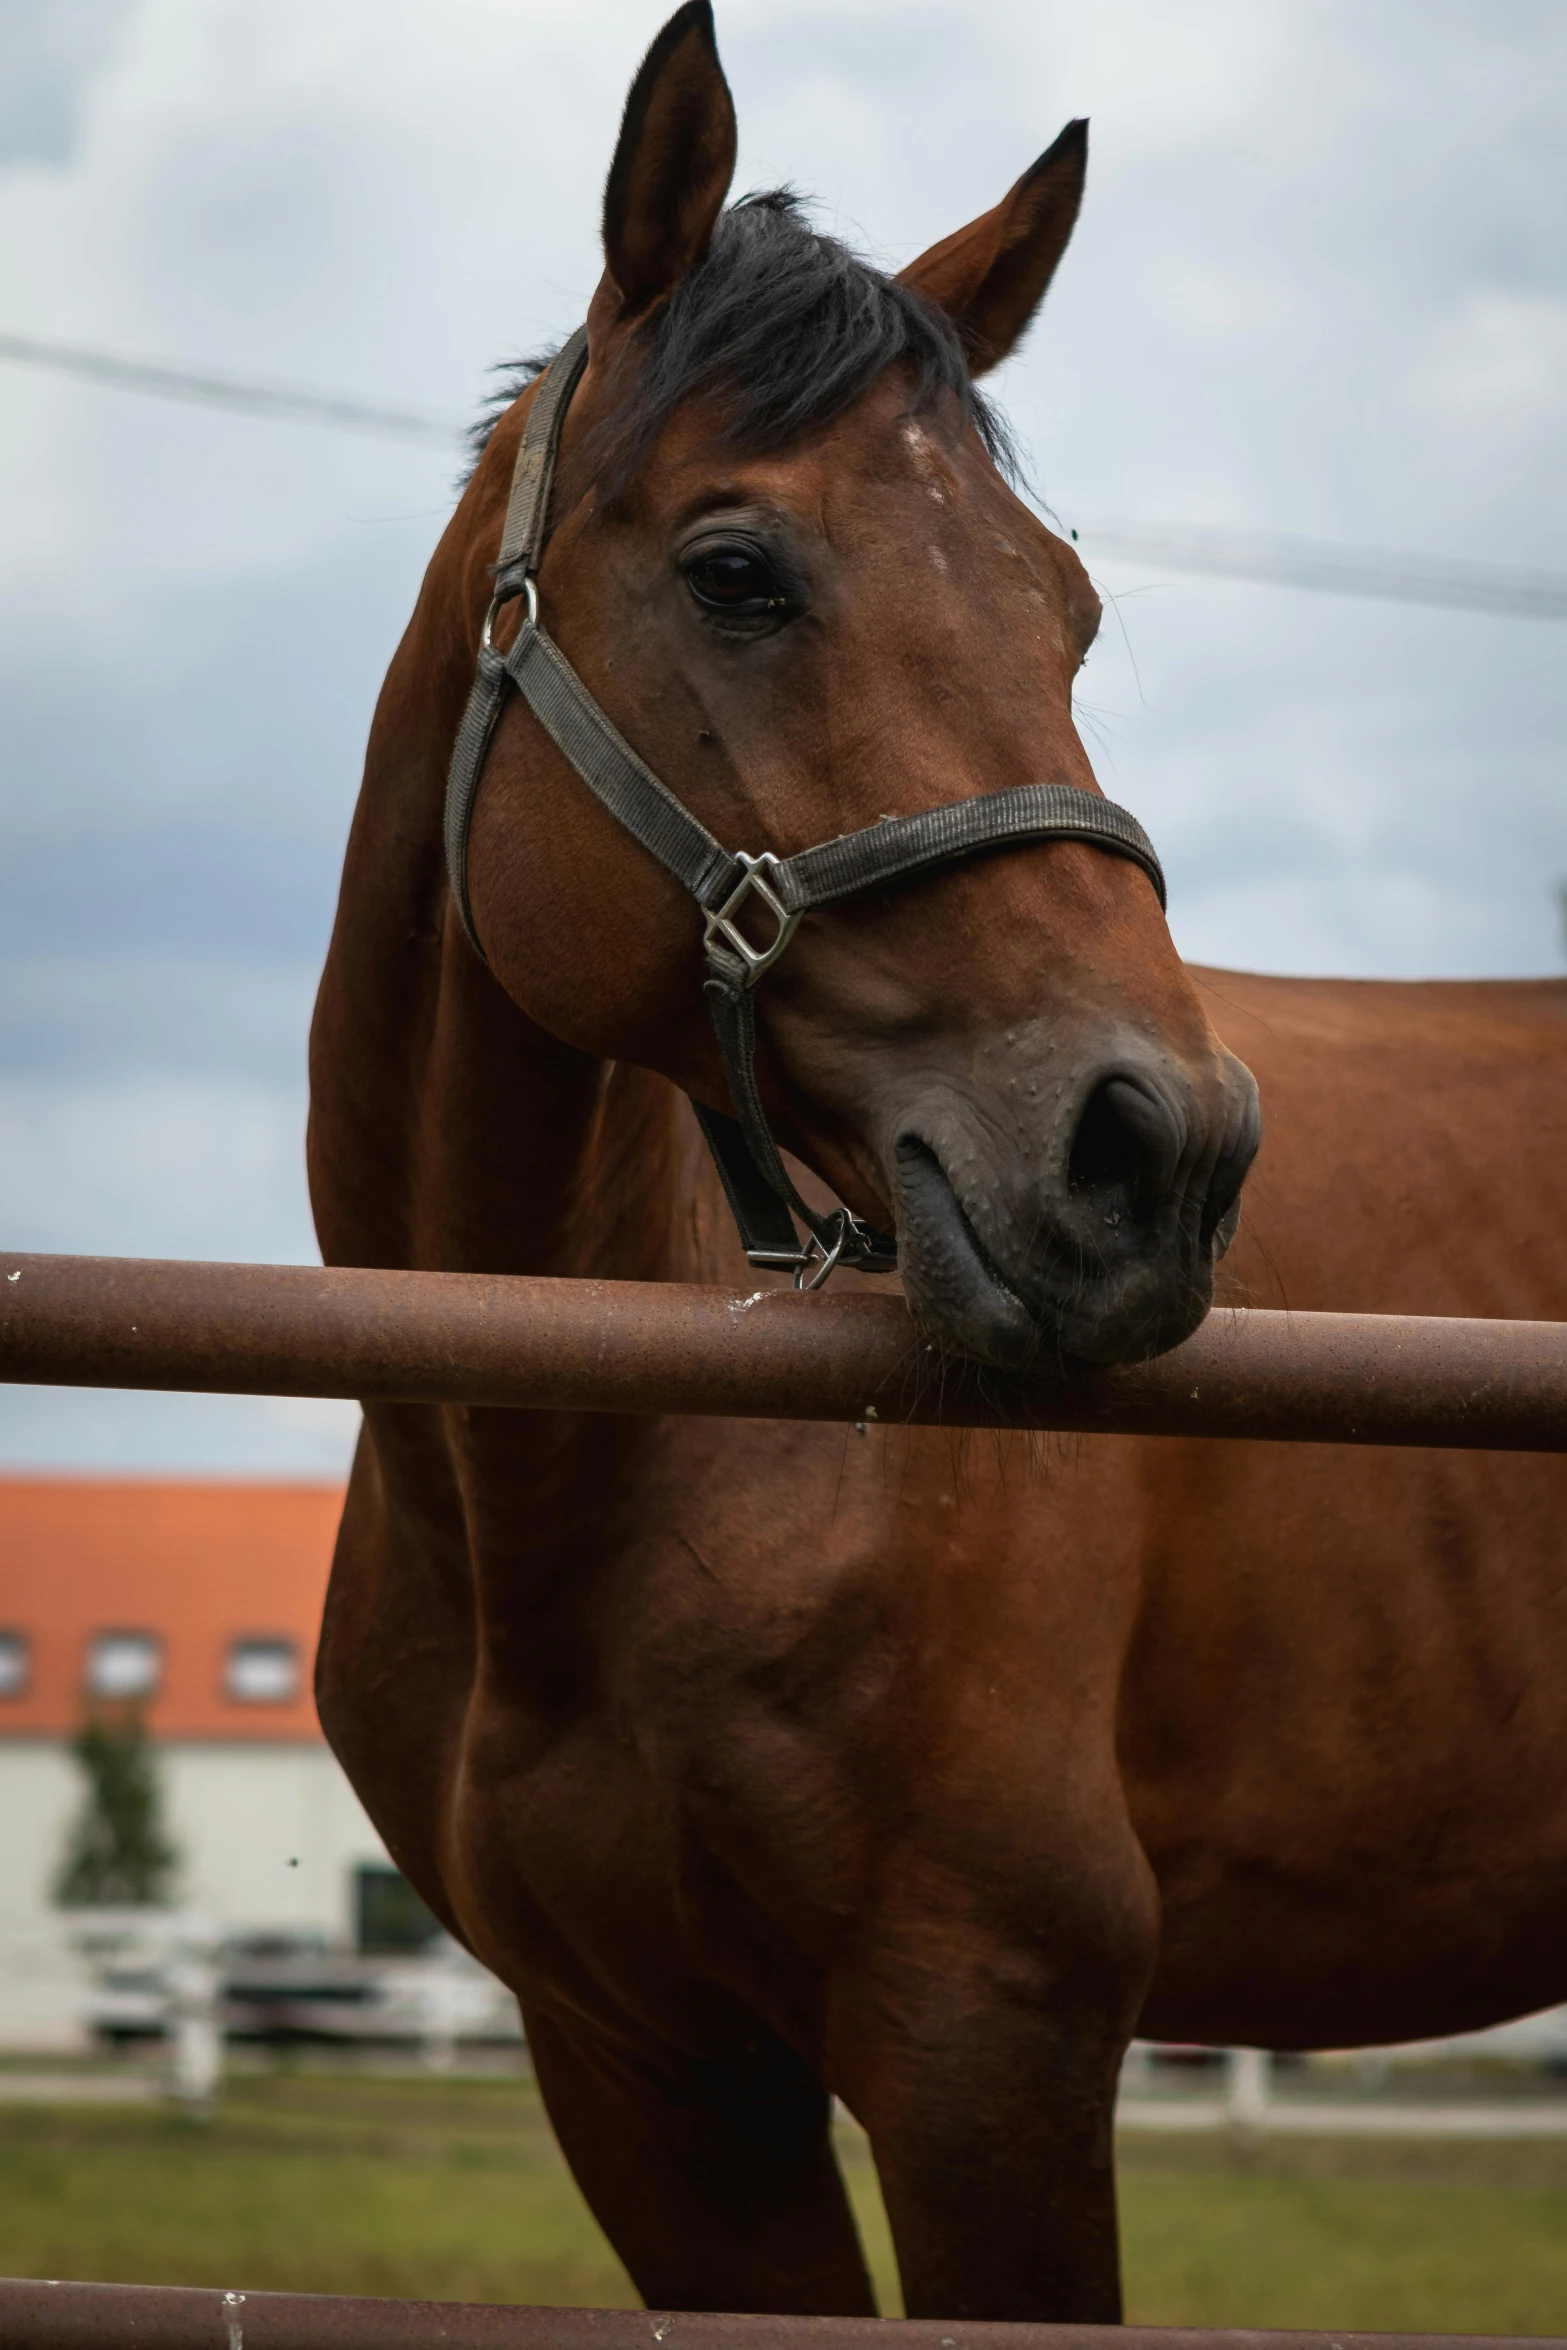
point(768, 1763)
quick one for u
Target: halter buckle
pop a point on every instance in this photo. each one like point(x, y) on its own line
point(816, 1260)
point(755, 881)
point(829, 1256)
point(812, 1253)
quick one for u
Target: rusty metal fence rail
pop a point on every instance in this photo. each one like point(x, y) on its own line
point(622, 1346)
point(42, 2316)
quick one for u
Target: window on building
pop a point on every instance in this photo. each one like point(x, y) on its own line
point(124, 1664)
point(261, 1670)
point(388, 1914)
point(15, 1664)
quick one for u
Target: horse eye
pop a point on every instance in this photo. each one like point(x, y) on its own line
point(733, 579)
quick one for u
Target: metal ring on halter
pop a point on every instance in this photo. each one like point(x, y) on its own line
point(529, 592)
point(830, 1256)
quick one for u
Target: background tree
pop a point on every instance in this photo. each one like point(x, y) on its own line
point(118, 1854)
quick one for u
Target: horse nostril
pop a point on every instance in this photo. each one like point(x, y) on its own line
point(1126, 1151)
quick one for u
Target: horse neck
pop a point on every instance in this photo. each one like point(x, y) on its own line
point(448, 1130)
point(530, 1157)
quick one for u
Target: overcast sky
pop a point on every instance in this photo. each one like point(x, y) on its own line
point(1320, 286)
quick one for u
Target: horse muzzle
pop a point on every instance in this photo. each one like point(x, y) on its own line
point(1093, 1243)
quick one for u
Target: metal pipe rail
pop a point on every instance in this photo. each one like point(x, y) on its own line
point(626, 1346)
point(35, 2315)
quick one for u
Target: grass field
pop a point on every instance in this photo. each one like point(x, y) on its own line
point(454, 2190)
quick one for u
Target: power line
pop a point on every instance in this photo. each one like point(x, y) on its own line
point(244, 396)
point(1333, 569)
point(1320, 565)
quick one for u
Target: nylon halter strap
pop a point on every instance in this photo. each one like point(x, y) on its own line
point(725, 884)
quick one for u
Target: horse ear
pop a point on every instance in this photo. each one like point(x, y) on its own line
point(674, 162)
point(991, 277)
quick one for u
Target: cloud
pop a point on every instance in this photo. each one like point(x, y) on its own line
point(155, 1167)
point(1502, 362)
point(53, 49)
point(44, 1430)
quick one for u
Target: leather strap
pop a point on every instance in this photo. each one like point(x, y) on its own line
point(522, 541)
point(761, 1214)
point(610, 768)
point(900, 846)
point(757, 1184)
point(842, 1238)
point(528, 507)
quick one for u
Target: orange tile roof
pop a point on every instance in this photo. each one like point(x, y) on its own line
point(197, 1564)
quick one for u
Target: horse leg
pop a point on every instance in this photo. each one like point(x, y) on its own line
point(984, 2068)
point(718, 2190)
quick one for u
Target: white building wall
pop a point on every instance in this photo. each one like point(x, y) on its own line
point(268, 1834)
point(40, 1788)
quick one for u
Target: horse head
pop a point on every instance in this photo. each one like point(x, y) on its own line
point(786, 559)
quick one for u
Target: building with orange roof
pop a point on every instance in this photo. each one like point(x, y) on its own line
point(198, 1602)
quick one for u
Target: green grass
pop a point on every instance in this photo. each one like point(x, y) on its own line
point(309, 2184)
point(455, 2190)
point(1414, 2238)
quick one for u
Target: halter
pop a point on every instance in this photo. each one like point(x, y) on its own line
point(764, 1201)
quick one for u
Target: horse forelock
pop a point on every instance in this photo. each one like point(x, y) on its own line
point(783, 329)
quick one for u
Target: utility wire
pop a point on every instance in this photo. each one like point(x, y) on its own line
point(1318, 564)
point(1332, 569)
point(244, 396)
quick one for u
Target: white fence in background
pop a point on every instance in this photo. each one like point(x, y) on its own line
point(1249, 2104)
point(82, 1982)
point(63, 1979)
point(46, 1990)
point(76, 1980)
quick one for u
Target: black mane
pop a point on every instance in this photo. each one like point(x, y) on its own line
point(786, 329)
